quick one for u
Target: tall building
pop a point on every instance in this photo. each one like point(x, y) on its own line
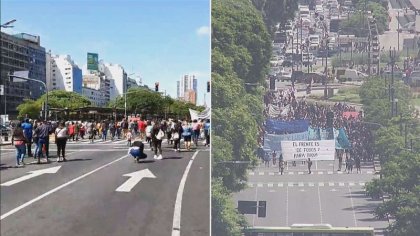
point(95, 96)
point(185, 86)
point(63, 74)
point(118, 78)
point(131, 83)
point(96, 80)
point(21, 52)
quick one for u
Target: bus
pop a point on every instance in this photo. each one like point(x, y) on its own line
point(309, 230)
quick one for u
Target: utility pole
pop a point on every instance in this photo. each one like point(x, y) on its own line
point(398, 30)
point(392, 55)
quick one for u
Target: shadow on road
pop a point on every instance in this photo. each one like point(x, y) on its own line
point(164, 158)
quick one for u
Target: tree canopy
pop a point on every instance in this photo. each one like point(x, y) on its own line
point(241, 50)
point(56, 99)
point(400, 174)
point(145, 101)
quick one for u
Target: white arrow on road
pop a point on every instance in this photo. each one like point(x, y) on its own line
point(135, 177)
point(32, 174)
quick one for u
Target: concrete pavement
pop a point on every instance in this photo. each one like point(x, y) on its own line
point(326, 196)
point(80, 199)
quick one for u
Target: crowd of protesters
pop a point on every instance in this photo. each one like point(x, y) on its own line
point(30, 132)
point(288, 108)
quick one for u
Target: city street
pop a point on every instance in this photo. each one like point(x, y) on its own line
point(326, 196)
point(89, 194)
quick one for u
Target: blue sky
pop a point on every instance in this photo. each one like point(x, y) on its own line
point(160, 40)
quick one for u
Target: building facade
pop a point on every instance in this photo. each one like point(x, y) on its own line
point(21, 52)
point(63, 73)
point(98, 81)
point(184, 86)
point(117, 76)
point(95, 96)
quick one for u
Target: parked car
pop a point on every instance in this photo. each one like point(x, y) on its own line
point(4, 131)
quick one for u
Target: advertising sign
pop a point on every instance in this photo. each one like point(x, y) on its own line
point(322, 150)
point(92, 61)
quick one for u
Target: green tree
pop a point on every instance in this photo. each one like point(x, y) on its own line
point(56, 99)
point(30, 108)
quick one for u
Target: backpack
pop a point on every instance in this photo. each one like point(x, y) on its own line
point(160, 135)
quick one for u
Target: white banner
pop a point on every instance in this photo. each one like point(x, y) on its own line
point(322, 150)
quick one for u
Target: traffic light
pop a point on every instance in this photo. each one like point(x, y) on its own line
point(272, 83)
point(208, 86)
point(262, 207)
point(157, 86)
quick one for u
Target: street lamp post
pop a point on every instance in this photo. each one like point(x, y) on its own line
point(7, 24)
point(46, 89)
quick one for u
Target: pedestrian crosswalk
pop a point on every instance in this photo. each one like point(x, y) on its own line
point(262, 173)
point(305, 184)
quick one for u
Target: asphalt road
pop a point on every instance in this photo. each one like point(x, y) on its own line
point(324, 197)
point(81, 198)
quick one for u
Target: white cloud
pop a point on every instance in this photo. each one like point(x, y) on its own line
point(203, 31)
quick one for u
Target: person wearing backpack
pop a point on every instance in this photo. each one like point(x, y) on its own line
point(157, 136)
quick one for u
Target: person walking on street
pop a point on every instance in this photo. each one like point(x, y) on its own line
point(27, 131)
point(70, 131)
point(274, 155)
point(187, 135)
point(157, 136)
point(149, 133)
point(207, 132)
point(350, 165)
point(281, 167)
point(129, 137)
point(76, 131)
point(19, 141)
point(357, 162)
point(61, 134)
point(124, 127)
point(176, 135)
point(43, 131)
point(35, 139)
point(309, 165)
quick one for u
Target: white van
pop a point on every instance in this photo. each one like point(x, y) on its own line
point(350, 75)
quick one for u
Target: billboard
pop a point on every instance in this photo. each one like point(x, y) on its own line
point(322, 150)
point(92, 61)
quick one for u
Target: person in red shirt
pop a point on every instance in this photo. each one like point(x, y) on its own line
point(142, 128)
point(71, 131)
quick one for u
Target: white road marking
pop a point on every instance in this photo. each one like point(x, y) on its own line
point(352, 207)
point(176, 225)
point(362, 184)
point(280, 184)
point(300, 173)
point(311, 184)
point(320, 173)
point(251, 173)
point(300, 184)
point(250, 185)
point(270, 185)
point(287, 205)
point(340, 184)
point(302, 190)
point(261, 173)
point(339, 172)
point(321, 184)
point(369, 172)
point(330, 172)
point(57, 188)
point(330, 184)
point(259, 185)
point(290, 184)
point(320, 206)
point(271, 173)
point(291, 173)
point(31, 175)
point(135, 178)
point(351, 184)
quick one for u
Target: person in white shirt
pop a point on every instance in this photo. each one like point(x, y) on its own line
point(61, 135)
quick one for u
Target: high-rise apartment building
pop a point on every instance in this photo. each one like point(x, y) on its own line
point(21, 52)
point(186, 86)
point(63, 73)
point(118, 78)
